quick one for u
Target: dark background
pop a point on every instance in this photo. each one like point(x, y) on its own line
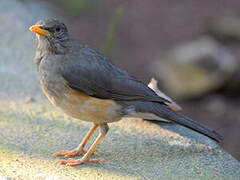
point(148, 29)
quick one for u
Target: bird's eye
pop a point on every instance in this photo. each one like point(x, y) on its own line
point(57, 29)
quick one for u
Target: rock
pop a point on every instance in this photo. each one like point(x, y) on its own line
point(224, 28)
point(195, 68)
point(133, 149)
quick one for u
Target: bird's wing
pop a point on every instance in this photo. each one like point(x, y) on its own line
point(154, 86)
point(91, 73)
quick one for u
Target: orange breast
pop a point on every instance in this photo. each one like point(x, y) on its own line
point(88, 108)
point(51, 98)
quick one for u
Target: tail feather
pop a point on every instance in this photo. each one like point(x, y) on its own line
point(165, 112)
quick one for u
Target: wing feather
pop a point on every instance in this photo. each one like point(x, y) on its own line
point(91, 73)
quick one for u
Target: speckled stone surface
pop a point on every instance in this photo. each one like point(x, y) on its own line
point(31, 129)
point(134, 149)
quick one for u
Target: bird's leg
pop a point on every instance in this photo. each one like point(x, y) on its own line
point(79, 149)
point(86, 158)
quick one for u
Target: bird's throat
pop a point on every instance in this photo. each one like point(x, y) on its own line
point(43, 44)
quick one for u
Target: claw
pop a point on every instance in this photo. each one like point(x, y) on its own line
point(60, 153)
point(69, 153)
point(63, 161)
point(75, 162)
point(75, 153)
point(79, 150)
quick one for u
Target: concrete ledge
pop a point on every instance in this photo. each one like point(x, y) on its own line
point(31, 129)
point(133, 149)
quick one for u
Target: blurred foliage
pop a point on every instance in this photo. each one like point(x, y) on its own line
point(111, 36)
point(78, 6)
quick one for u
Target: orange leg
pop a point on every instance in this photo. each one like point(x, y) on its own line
point(79, 150)
point(86, 157)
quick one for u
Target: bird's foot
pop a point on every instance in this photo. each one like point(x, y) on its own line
point(75, 162)
point(70, 153)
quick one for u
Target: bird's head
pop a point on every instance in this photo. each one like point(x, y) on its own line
point(52, 35)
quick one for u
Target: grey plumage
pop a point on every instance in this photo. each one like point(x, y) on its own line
point(62, 62)
point(165, 112)
point(96, 76)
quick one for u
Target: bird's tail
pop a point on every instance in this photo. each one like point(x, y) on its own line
point(163, 111)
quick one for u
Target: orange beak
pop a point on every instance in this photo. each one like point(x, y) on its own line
point(38, 30)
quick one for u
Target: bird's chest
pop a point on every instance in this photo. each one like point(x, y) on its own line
point(74, 103)
point(51, 80)
point(88, 108)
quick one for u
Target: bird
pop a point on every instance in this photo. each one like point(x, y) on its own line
point(86, 85)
